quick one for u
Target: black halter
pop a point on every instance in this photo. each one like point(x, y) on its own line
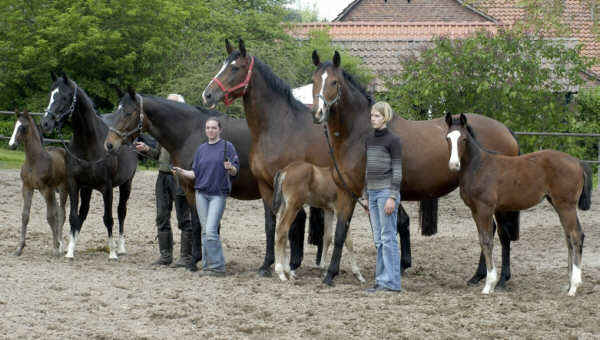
point(60, 119)
point(125, 135)
point(329, 104)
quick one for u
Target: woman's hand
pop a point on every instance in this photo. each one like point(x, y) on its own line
point(390, 206)
point(229, 167)
point(141, 147)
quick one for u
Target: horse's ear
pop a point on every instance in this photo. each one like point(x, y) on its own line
point(16, 112)
point(26, 113)
point(228, 47)
point(64, 77)
point(448, 119)
point(315, 58)
point(53, 76)
point(131, 91)
point(463, 119)
point(118, 89)
point(337, 60)
point(242, 47)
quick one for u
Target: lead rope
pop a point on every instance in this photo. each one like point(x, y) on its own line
point(344, 185)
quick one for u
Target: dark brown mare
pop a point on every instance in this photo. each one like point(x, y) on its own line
point(89, 166)
point(281, 126)
point(302, 183)
point(490, 183)
point(45, 170)
point(179, 128)
point(344, 106)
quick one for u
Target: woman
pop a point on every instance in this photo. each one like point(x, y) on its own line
point(383, 179)
point(214, 163)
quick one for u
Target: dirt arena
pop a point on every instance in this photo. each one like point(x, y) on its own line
point(93, 298)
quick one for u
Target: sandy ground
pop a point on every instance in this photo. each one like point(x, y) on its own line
point(91, 297)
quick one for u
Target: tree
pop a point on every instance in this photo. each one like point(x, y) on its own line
point(512, 77)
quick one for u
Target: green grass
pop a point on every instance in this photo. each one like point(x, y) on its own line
point(11, 159)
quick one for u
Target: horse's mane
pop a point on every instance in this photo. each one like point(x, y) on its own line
point(474, 137)
point(277, 84)
point(353, 83)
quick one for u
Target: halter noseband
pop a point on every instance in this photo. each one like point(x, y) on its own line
point(243, 84)
point(125, 135)
point(328, 105)
point(69, 111)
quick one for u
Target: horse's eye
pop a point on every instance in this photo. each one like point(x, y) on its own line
point(334, 82)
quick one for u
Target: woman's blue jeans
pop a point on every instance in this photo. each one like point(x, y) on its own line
point(387, 269)
point(210, 210)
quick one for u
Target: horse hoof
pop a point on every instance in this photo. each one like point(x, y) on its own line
point(475, 280)
point(264, 272)
point(501, 285)
point(328, 281)
point(18, 252)
point(282, 277)
point(360, 278)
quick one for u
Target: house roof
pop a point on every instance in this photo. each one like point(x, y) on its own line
point(418, 10)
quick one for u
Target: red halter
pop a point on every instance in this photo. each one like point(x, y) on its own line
point(243, 84)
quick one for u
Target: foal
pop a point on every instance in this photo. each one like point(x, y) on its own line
point(492, 182)
point(297, 184)
point(44, 170)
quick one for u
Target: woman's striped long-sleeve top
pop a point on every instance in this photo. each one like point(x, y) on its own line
point(384, 162)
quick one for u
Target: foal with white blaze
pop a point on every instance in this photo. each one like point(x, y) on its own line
point(491, 182)
point(44, 170)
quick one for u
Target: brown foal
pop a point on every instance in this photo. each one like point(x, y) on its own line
point(490, 183)
point(302, 183)
point(44, 170)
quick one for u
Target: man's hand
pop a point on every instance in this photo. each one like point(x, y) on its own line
point(141, 147)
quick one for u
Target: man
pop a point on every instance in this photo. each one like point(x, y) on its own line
point(168, 192)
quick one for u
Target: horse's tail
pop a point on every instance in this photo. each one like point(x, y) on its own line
point(585, 200)
point(277, 192)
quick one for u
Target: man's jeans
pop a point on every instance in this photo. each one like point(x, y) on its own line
point(210, 210)
point(387, 269)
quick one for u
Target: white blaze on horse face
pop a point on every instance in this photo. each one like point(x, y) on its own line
point(321, 103)
point(52, 95)
point(454, 163)
point(212, 80)
point(13, 138)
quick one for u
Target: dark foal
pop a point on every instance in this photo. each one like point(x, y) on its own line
point(89, 166)
point(492, 183)
point(344, 105)
point(44, 170)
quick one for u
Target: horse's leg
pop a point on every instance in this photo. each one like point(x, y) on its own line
point(483, 219)
point(327, 236)
point(52, 217)
point(73, 217)
point(404, 235)
point(265, 269)
point(428, 211)
point(86, 196)
point(124, 192)
point(344, 208)
point(506, 223)
point(63, 196)
point(481, 270)
point(315, 232)
point(352, 255)
point(27, 193)
point(296, 236)
point(107, 196)
point(574, 236)
point(282, 229)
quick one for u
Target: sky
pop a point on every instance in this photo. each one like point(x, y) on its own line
point(329, 9)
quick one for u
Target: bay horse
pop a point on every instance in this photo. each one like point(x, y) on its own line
point(89, 166)
point(179, 128)
point(44, 170)
point(280, 125)
point(302, 183)
point(344, 106)
point(490, 182)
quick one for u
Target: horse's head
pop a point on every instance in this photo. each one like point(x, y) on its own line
point(457, 137)
point(63, 99)
point(232, 79)
point(127, 120)
point(327, 86)
point(23, 127)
